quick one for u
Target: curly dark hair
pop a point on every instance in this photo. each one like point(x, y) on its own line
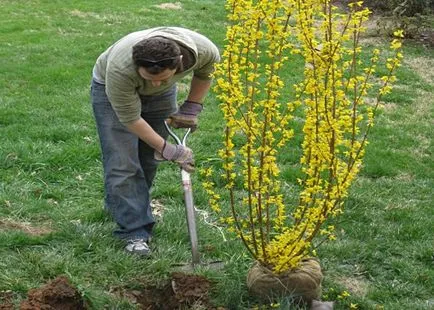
point(157, 54)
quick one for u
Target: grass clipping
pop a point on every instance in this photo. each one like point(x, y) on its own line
point(302, 283)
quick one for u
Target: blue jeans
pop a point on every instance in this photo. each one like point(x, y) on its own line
point(129, 164)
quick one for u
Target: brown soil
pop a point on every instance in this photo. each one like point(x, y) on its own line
point(170, 6)
point(7, 224)
point(6, 298)
point(57, 294)
point(183, 291)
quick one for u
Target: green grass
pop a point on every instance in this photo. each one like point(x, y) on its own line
point(50, 171)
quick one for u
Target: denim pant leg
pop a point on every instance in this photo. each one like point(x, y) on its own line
point(127, 177)
point(155, 109)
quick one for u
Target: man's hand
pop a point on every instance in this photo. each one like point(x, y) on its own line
point(179, 154)
point(186, 116)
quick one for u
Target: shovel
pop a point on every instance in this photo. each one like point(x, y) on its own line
point(188, 197)
point(189, 208)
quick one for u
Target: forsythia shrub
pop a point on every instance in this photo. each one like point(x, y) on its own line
point(258, 107)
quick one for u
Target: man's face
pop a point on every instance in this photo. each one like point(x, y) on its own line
point(159, 78)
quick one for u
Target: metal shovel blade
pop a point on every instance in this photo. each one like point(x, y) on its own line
point(191, 216)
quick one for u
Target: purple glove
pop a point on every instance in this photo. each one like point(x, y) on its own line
point(179, 154)
point(186, 116)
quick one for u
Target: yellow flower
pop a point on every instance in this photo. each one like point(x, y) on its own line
point(344, 295)
point(396, 44)
point(399, 33)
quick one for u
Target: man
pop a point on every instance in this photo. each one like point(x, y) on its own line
point(133, 92)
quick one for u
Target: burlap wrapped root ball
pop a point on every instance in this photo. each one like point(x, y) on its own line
point(302, 283)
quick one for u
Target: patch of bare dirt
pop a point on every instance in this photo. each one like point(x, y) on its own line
point(406, 177)
point(357, 286)
point(157, 208)
point(6, 300)
point(56, 294)
point(182, 291)
point(170, 6)
point(423, 66)
point(427, 38)
point(389, 107)
point(9, 224)
point(81, 14)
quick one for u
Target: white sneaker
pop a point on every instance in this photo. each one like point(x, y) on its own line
point(138, 246)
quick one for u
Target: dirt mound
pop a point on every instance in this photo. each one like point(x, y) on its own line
point(57, 294)
point(182, 291)
point(6, 298)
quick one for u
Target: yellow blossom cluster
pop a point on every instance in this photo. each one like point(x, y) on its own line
point(258, 107)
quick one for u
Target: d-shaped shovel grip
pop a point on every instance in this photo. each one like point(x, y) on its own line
point(175, 137)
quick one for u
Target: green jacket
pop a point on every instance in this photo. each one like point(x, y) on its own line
point(115, 68)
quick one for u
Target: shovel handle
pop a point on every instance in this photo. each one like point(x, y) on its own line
point(188, 197)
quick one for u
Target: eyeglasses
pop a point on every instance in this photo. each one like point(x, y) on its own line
point(166, 62)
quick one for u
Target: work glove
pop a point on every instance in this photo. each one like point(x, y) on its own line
point(186, 116)
point(179, 154)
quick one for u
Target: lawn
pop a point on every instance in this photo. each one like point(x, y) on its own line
point(52, 221)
